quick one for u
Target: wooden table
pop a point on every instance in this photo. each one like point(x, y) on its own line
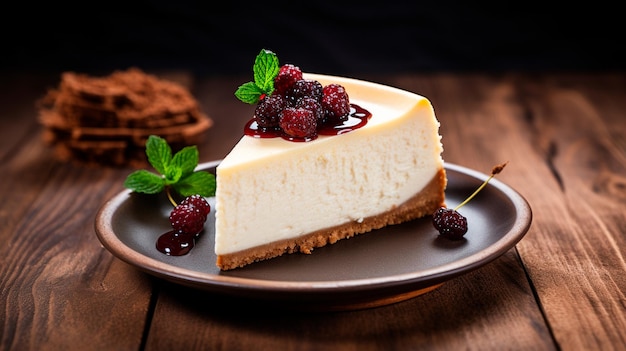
point(561, 287)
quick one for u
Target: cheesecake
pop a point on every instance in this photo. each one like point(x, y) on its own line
point(275, 196)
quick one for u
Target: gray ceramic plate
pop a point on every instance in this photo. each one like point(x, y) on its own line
point(374, 269)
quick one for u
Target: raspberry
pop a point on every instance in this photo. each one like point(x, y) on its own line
point(199, 202)
point(187, 219)
point(287, 76)
point(450, 223)
point(298, 122)
point(335, 89)
point(335, 102)
point(312, 104)
point(268, 110)
point(305, 87)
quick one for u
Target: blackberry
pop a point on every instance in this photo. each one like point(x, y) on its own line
point(335, 102)
point(288, 75)
point(268, 110)
point(305, 88)
point(450, 223)
point(199, 202)
point(298, 122)
point(312, 104)
point(187, 219)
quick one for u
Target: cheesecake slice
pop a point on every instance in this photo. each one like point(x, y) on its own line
point(277, 197)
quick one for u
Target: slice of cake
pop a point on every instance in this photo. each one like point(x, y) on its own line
point(276, 196)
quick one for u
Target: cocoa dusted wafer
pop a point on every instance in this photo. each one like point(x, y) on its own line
point(107, 120)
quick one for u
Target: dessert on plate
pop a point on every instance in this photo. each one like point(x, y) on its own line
point(324, 158)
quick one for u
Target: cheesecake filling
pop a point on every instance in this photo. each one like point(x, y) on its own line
point(420, 205)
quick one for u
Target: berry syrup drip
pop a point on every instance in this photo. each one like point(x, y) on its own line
point(187, 220)
point(174, 243)
point(357, 118)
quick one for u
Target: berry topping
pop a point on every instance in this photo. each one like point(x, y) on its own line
point(298, 122)
point(267, 111)
point(449, 222)
point(187, 219)
point(305, 88)
point(330, 105)
point(335, 102)
point(335, 89)
point(287, 76)
point(309, 103)
point(199, 202)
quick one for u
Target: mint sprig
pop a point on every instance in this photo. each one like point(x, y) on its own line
point(175, 171)
point(265, 69)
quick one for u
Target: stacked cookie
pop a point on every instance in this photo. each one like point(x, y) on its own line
point(107, 120)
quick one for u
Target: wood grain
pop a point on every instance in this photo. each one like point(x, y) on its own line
point(561, 288)
point(577, 260)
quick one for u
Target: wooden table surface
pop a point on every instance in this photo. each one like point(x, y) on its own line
point(562, 287)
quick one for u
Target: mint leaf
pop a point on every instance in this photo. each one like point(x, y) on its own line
point(145, 182)
point(199, 182)
point(186, 160)
point(159, 153)
point(176, 172)
point(250, 93)
point(265, 70)
point(173, 175)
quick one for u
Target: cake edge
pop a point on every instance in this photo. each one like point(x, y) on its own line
point(420, 205)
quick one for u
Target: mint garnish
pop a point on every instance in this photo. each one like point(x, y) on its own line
point(265, 69)
point(175, 171)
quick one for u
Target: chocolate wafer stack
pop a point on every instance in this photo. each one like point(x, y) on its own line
point(107, 120)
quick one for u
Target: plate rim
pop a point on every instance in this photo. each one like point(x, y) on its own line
point(252, 286)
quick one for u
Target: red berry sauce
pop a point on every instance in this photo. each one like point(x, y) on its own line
point(175, 243)
point(357, 118)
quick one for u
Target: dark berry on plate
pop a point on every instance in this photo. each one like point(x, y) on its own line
point(187, 218)
point(305, 87)
point(312, 104)
point(288, 75)
point(199, 202)
point(335, 102)
point(450, 223)
point(298, 122)
point(268, 110)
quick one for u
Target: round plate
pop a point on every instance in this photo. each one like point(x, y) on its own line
point(378, 268)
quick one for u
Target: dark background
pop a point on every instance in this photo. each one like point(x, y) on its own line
point(346, 38)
